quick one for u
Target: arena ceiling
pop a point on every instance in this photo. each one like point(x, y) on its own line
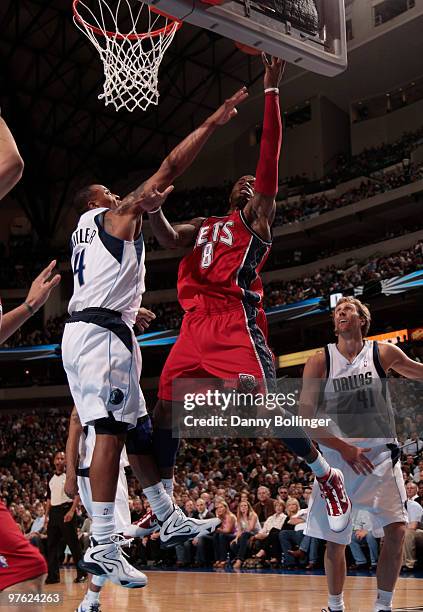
point(50, 77)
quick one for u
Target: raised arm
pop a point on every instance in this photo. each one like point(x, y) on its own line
point(260, 210)
point(37, 296)
point(392, 357)
point(183, 155)
point(11, 164)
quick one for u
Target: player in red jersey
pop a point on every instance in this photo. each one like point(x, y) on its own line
point(224, 334)
point(22, 567)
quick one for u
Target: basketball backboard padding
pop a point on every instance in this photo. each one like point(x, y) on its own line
point(257, 24)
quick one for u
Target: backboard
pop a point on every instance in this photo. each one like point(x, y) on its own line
point(308, 33)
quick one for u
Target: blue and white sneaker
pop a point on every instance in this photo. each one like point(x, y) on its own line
point(178, 528)
point(109, 560)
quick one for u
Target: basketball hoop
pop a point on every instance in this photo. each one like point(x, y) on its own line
point(131, 39)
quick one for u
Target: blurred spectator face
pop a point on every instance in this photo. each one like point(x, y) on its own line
point(39, 510)
point(244, 497)
point(200, 504)
point(184, 498)
point(243, 507)
point(410, 460)
point(411, 489)
point(279, 507)
point(206, 498)
point(147, 506)
point(189, 506)
point(286, 478)
point(420, 489)
point(307, 494)
point(292, 507)
point(177, 499)
point(292, 490)
point(283, 493)
point(220, 509)
point(137, 505)
point(263, 494)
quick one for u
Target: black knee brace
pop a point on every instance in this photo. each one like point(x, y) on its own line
point(139, 439)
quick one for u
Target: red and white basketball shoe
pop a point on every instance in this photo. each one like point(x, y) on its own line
point(338, 504)
point(144, 526)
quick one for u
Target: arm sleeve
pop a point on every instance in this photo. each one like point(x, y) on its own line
point(271, 141)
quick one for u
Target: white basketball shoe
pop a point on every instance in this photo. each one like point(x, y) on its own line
point(109, 560)
point(178, 528)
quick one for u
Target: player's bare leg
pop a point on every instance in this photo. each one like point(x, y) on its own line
point(336, 571)
point(389, 564)
point(91, 601)
point(33, 587)
point(105, 557)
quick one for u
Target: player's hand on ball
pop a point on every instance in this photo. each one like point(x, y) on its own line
point(228, 110)
point(357, 460)
point(274, 69)
point(144, 318)
point(154, 199)
point(42, 286)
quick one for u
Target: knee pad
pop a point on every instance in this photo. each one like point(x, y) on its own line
point(109, 426)
point(139, 439)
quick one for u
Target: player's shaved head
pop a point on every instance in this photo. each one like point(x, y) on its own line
point(82, 197)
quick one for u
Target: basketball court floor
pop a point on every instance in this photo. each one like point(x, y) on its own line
point(221, 591)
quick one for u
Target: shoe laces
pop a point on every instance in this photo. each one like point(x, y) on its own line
point(120, 541)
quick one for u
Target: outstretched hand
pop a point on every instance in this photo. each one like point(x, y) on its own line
point(228, 110)
point(42, 286)
point(274, 69)
point(154, 199)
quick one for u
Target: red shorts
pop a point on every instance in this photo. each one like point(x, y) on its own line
point(19, 560)
point(231, 346)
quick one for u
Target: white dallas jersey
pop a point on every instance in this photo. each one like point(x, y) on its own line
point(356, 397)
point(86, 449)
point(108, 272)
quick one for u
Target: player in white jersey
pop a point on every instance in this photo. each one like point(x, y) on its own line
point(102, 358)
point(355, 370)
point(79, 450)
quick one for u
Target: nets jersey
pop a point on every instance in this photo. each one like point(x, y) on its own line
point(356, 397)
point(223, 267)
point(108, 272)
point(86, 449)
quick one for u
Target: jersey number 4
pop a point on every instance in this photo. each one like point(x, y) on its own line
point(79, 267)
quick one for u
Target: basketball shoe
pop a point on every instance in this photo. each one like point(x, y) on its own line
point(143, 527)
point(88, 607)
point(338, 504)
point(178, 528)
point(108, 560)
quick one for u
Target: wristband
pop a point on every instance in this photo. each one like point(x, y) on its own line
point(29, 308)
point(272, 90)
point(156, 210)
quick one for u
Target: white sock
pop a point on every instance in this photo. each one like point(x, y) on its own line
point(168, 486)
point(92, 596)
point(99, 581)
point(159, 500)
point(384, 600)
point(103, 524)
point(320, 466)
point(336, 602)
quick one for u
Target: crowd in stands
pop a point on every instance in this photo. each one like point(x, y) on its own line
point(258, 489)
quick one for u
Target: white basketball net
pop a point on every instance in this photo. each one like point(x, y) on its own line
point(131, 58)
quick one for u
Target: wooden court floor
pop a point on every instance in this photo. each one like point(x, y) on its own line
point(179, 591)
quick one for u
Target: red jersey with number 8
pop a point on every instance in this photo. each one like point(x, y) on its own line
point(224, 265)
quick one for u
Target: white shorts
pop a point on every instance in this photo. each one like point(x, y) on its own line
point(103, 369)
point(381, 493)
point(122, 514)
